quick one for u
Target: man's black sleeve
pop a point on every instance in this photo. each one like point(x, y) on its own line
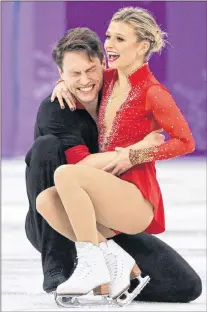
point(66, 125)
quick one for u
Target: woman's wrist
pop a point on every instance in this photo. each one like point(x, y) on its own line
point(128, 149)
point(137, 153)
point(137, 146)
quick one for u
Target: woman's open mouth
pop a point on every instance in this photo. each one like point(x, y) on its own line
point(112, 56)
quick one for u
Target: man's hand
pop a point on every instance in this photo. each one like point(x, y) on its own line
point(122, 163)
point(61, 91)
point(154, 138)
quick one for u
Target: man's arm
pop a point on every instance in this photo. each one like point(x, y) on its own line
point(61, 123)
point(80, 155)
point(69, 127)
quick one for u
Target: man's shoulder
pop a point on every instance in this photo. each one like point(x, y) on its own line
point(46, 104)
point(47, 100)
point(49, 107)
point(50, 111)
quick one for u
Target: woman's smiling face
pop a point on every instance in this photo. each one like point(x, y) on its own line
point(121, 46)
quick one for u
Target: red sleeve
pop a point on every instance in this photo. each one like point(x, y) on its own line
point(76, 154)
point(170, 118)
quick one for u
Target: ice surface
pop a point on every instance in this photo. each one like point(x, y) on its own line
point(183, 183)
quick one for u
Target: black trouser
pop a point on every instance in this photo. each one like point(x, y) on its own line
point(172, 279)
point(45, 156)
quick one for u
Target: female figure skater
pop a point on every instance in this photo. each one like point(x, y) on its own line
point(126, 199)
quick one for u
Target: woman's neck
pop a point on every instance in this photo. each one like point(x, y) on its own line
point(124, 73)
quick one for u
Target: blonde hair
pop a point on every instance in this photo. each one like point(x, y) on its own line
point(145, 26)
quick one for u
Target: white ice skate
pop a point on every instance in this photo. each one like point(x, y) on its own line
point(90, 277)
point(122, 268)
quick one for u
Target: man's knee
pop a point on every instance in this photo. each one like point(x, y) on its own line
point(194, 288)
point(189, 287)
point(46, 144)
point(45, 148)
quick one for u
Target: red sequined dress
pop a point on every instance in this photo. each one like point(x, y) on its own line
point(149, 106)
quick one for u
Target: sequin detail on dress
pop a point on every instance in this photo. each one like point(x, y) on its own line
point(129, 108)
point(149, 106)
point(138, 157)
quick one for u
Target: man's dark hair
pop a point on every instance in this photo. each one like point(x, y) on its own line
point(78, 39)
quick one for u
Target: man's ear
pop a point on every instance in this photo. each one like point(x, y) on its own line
point(60, 72)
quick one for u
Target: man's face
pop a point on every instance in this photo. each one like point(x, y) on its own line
point(83, 76)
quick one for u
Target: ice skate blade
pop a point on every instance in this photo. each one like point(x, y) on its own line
point(127, 297)
point(75, 301)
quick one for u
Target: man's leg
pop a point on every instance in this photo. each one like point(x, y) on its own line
point(57, 252)
point(172, 278)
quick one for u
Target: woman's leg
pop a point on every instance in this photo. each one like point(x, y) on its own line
point(90, 195)
point(49, 205)
point(85, 205)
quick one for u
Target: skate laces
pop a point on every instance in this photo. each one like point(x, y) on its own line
point(111, 262)
point(81, 266)
point(83, 260)
point(83, 252)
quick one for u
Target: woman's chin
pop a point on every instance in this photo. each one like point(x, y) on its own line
point(112, 65)
point(116, 65)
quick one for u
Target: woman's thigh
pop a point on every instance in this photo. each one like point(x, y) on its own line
point(118, 204)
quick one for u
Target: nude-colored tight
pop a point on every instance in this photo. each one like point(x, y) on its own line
point(86, 203)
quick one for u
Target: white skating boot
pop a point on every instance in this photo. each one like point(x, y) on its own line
point(91, 275)
point(122, 268)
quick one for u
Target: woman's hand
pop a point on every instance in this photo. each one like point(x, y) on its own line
point(122, 163)
point(61, 91)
